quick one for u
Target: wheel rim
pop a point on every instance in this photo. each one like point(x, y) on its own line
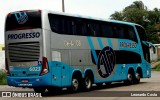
point(137, 76)
point(130, 77)
point(75, 84)
point(87, 82)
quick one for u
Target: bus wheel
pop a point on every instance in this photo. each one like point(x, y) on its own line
point(137, 78)
point(99, 84)
point(39, 89)
point(130, 79)
point(87, 83)
point(75, 84)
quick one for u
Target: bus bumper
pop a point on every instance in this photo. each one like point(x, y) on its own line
point(29, 82)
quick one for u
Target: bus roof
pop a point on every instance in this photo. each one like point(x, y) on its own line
point(82, 16)
point(93, 18)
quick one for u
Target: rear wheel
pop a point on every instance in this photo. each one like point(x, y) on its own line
point(137, 78)
point(87, 83)
point(39, 89)
point(130, 79)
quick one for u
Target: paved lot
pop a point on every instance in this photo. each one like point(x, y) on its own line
point(116, 89)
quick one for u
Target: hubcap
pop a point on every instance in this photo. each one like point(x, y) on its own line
point(138, 76)
point(75, 84)
point(129, 77)
point(88, 83)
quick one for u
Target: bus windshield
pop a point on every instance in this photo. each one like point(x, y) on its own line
point(23, 20)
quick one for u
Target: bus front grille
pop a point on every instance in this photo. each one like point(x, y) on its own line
point(24, 52)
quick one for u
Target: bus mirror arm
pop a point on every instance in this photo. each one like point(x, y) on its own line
point(151, 45)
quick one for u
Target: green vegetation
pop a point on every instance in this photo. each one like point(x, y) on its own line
point(158, 59)
point(138, 13)
point(157, 68)
point(3, 80)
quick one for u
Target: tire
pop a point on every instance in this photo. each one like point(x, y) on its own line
point(130, 79)
point(87, 83)
point(137, 78)
point(75, 85)
point(99, 84)
point(39, 89)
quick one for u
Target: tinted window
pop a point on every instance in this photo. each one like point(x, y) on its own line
point(80, 27)
point(56, 24)
point(141, 33)
point(131, 33)
point(93, 29)
point(87, 27)
point(107, 30)
point(23, 20)
point(119, 31)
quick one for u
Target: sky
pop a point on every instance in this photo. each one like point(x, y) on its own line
point(93, 8)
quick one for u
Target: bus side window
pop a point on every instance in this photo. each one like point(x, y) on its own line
point(107, 31)
point(80, 27)
point(67, 26)
point(55, 23)
point(119, 31)
point(93, 29)
point(131, 34)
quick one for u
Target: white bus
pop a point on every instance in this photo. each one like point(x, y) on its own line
point(50, 50)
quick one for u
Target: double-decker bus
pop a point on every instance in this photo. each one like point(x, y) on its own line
point(51, 50)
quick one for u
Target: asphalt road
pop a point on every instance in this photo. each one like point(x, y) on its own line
point(115, 91)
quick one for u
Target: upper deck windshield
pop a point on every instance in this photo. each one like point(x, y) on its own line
point(23, 20)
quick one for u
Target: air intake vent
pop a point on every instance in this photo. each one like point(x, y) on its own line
point(24, 52)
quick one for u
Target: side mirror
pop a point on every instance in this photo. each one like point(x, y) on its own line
point(152, 46)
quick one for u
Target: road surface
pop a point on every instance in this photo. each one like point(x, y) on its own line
point(115, 91)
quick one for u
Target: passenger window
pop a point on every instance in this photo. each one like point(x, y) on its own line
point(93, 29)
point(131, 34)
point(67, 26)
point(119, 31)
point(80, 27)
point(107, 31)
point(56, 23)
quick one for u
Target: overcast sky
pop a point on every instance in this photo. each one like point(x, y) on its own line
point(94, 8)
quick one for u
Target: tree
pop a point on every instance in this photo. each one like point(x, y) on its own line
point(117, 15)
point(138, 13)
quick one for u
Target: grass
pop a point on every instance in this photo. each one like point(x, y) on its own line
point(157, 68)
point(3, 80)
point(158, 59)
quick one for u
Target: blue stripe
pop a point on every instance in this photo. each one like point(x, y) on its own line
point(109, 42)
point(92, 49)
point(100, 43)
point(16, 16)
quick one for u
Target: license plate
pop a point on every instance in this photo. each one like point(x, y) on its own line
point(24, 81)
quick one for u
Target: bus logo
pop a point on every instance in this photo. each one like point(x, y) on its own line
point(21, 17)
point(107, 60)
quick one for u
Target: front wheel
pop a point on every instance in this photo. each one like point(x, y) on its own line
point(39, 89)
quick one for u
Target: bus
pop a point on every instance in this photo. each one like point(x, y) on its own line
point(48, 50)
